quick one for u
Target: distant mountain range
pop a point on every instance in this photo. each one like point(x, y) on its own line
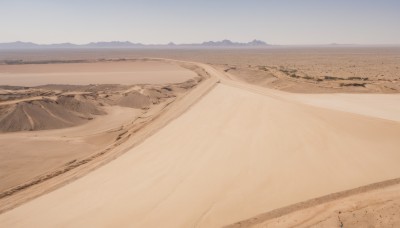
point(127, 44)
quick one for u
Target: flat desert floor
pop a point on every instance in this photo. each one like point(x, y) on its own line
point(115, 72)
point(301, 69)
point(234, 153)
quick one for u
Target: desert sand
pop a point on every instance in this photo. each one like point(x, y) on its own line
point(239, 151)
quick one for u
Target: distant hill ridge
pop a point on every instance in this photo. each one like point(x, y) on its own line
point(128, 44)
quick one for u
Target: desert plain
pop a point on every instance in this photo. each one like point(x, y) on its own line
point(271, 137)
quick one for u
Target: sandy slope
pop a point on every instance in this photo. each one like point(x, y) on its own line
point(238, 152)
point(28, 154)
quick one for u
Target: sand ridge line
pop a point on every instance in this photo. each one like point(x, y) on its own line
point(21, 100)
point(312, 202)
point(144, 130)
point(39, 98)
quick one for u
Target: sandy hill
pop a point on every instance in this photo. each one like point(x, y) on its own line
point(44, 114)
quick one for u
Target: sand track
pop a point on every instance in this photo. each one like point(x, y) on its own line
point(238, 152)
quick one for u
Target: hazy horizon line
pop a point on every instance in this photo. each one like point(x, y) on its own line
point(171, 43)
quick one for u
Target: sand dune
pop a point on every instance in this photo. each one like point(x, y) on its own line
point(238, 152)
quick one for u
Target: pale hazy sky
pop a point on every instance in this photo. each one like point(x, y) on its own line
point(189, 21)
